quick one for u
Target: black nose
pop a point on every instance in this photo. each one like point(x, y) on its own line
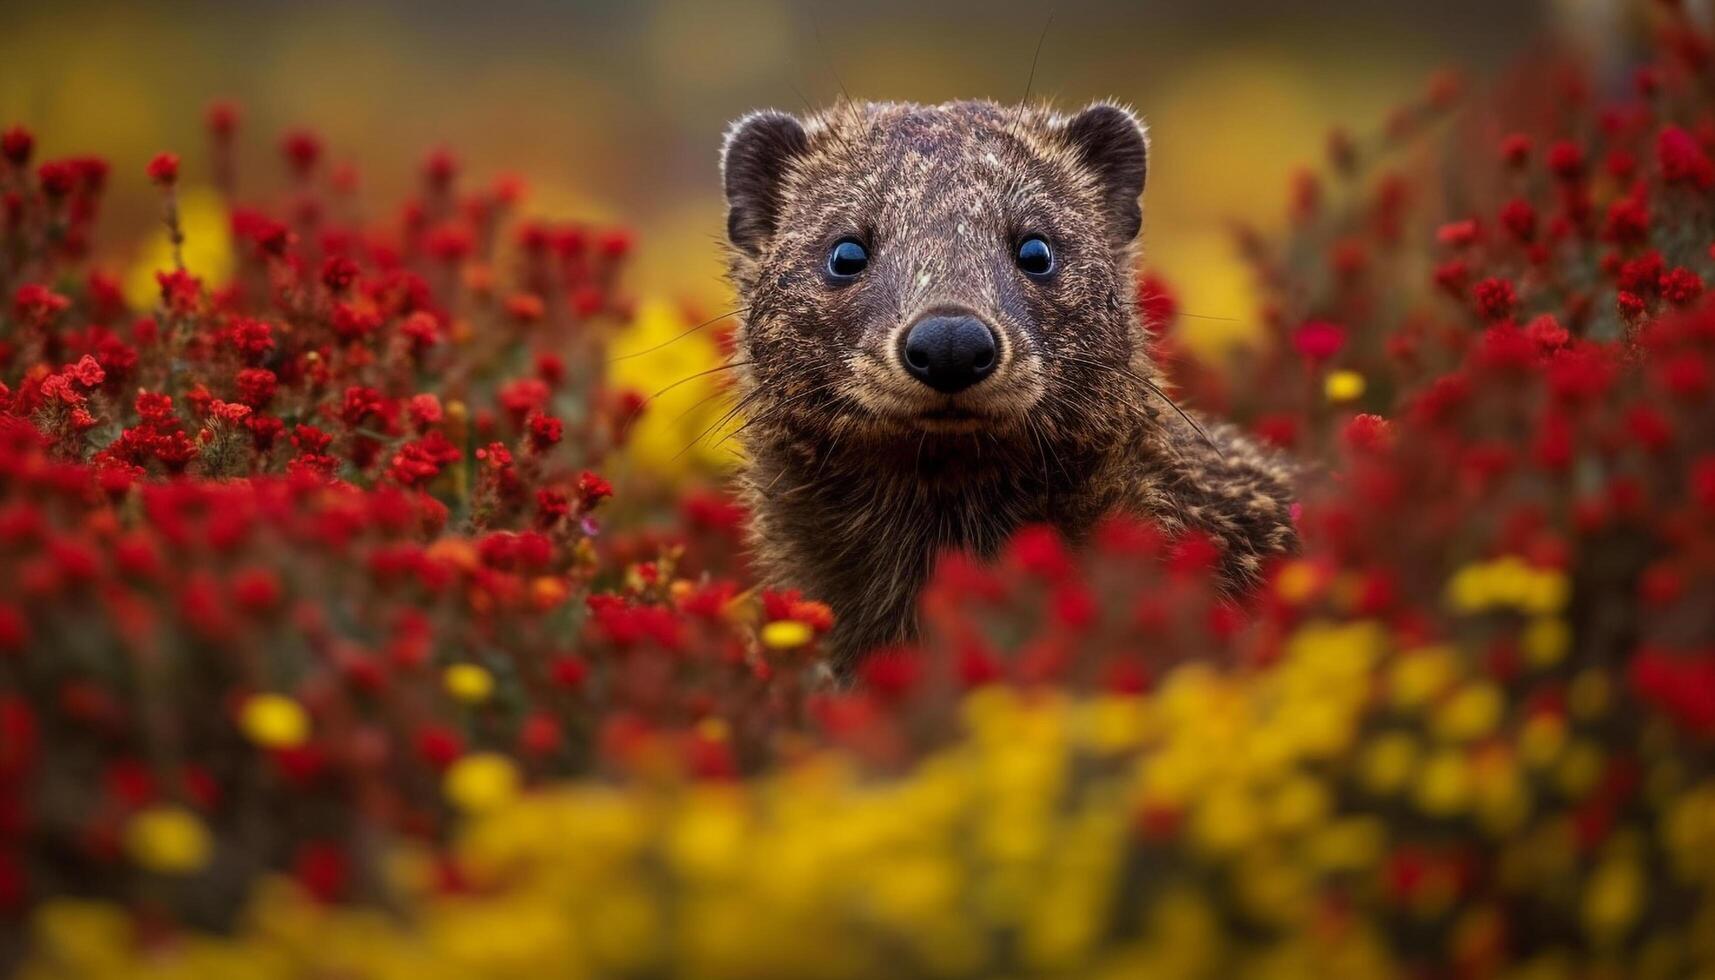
point(949, 352)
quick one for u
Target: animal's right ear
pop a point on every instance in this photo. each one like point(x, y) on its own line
point(759, 151)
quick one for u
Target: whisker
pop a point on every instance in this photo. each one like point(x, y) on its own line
point(1030, 81)
point(728, 366)
point(833, 446)
point(724, 419)
point(851, 103)
point(815, 116)
point(1156, 390)
point(674, 340)
point(816, 26)
point(699, 403)
point(776, 410)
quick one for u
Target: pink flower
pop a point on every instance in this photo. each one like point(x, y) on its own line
point(1319, 340)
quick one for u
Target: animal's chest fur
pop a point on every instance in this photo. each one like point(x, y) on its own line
point(864, 538)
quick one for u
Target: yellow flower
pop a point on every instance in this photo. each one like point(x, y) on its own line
point(1588, 694)
point(274, 721)
point(1545, 592)
point(468, 683)
point(1344, 386)
point(1444, 785)
point(1297, 582)
point(708, 839)
point(1508, 582)
point(1418, 676)
point(1298, 803)
point(1226, 820)
point(1688, 830)
point(1546, 641)
point(1347, 844)
point(1612, 898)
point(1470, 714)
point(1542, 739)
point(1388, 762)
point(1113, 724)
point(1580, 768)
point(786, 634)
point(481, 782)
point(681, 431)
point(168, 840)
point(1503, 800)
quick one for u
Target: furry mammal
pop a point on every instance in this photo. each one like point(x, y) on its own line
point(943, 344)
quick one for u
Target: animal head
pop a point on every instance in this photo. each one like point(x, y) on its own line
point(934, 271)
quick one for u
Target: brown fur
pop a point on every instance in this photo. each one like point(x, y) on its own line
point(857, 474)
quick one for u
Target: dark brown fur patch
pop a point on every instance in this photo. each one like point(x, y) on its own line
point(858, 475)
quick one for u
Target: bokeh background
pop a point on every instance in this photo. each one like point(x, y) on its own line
point(614, 109)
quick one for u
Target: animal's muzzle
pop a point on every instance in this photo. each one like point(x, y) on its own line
point(949, 350)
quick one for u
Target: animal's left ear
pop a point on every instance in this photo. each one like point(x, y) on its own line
point(1110, 141)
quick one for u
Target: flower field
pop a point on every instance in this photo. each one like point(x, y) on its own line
point(339, 638)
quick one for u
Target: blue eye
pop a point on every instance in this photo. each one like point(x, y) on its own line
point(848, 258)
point(1034, 256)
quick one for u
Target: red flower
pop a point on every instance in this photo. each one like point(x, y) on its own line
point(58, 178)
point(222, 119)
point(1628, 221)
point(1319, 340)
point(1518, 217)
point(16, 144)
point(1631, 305)
point(1680, 286)
point(322, 869)
point(180, 291)
point(1703, 483)
point(1453, 277)
point(891, 675)
point(540, 735)
point(439, 169)
point(422, 330)
point(592, 490)
point(1495, 299)
point(1566, 160)
point(1682, 160)
point(256, 386)
point(524, 308)
point(1459, 234)
point(1156, 303)
point(302, 149)
point(1368, 433)
point(14, 629)
point(256, 590)
point(1515, 150)
point(1547, 333)
point(1039, 550)
point(87, 372)
point(163, 169)
point(614, 243)
point(439, 745)
point(545, 432)
point(37, 305)
point(339, 273)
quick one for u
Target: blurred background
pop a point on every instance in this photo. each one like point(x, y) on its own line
point(614, 110)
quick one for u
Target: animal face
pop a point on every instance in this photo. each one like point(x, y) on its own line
point(938, 270)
